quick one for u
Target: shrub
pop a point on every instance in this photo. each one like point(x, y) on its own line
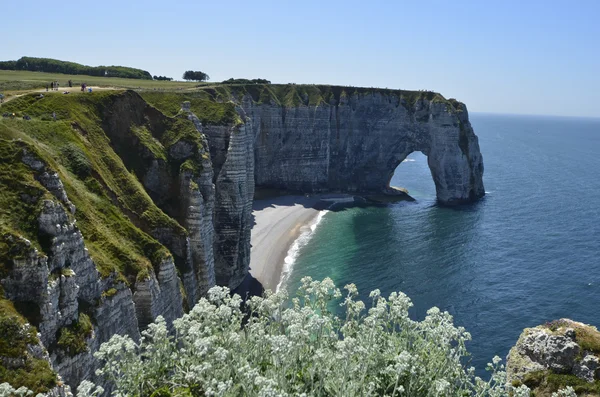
point(298, 348)
point(195, 75)
point(76, 160)
point(72, 339)
point(246, 81)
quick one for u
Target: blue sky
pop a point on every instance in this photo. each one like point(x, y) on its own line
point(526, 57)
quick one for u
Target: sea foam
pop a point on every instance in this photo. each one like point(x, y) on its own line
point(306, 234)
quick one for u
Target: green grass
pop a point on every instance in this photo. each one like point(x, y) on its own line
point(544, 383)
point(588, 338)
point(15, 335)
point(153, 144)
point(112, 205)
point(13, 80)
point(109, 293)
point(290, 95)
point(208, 111)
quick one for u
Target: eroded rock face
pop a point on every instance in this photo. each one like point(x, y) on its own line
point(56, 287)
point(158, 295)
point(225, 203)
point(234, 191)
point(355, 145)
point(560, 347)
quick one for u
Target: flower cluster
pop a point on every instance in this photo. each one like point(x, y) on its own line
point(283, 347)
point(274, 346)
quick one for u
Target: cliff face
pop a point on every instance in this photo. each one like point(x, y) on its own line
point(232, 154)
point(131, 207)
point(355, 142)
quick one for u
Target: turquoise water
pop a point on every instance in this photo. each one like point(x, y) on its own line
point(526, 254)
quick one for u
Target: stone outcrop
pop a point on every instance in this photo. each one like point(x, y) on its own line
point(355, 142)
point(232, 154)
point(563, 347)
point(158, 295)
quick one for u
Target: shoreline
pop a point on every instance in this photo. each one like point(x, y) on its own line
point(278, 223)
point(283, 224)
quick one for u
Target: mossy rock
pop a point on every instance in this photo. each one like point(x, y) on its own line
point(523, 369)
point(15, 335)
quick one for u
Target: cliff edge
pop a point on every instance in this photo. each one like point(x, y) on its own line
point(555, 355)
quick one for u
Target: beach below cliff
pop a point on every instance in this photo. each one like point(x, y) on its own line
point(278, 223)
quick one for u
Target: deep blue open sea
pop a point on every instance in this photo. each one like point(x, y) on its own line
point(528, 253)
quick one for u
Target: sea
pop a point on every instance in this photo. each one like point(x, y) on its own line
point(526, 254)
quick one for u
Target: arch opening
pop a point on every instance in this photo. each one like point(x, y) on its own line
point(414, 175)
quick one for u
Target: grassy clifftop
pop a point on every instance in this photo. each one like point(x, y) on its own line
point(114, 212)
point(313, 95)
point(157, 92)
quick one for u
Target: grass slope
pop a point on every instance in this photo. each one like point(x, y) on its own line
point(202, 104)
point(108, 197)
point(15, 80)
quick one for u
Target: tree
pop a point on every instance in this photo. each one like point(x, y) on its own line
point(195, 76)
point(246, 81)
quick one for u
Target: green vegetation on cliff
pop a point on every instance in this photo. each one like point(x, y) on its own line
point(312, 95)
point(95, 146)
point(544, 383)
point(114, 212)
point(202, 104)
point(72, 338)
point(18, 366)
point(20, 199)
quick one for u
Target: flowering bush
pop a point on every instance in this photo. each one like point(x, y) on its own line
point(274, 348)
point(302, 348)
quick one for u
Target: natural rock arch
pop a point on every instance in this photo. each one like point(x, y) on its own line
point(355, 145)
